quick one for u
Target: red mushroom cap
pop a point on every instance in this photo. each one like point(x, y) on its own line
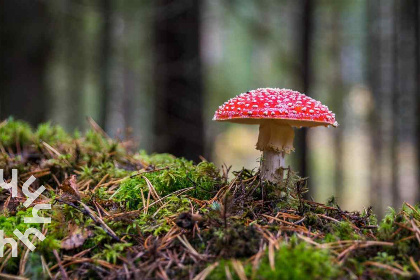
point(283, 105)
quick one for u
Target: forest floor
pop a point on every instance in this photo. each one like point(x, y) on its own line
point(116, 214)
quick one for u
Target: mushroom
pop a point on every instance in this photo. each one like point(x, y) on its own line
point(277, 111)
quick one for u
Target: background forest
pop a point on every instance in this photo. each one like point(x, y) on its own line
point(157, 70)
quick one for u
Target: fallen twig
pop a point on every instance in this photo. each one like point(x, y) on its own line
point(62, 270)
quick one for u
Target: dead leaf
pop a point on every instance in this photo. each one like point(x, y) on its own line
point(76, 237)
point(70, 189)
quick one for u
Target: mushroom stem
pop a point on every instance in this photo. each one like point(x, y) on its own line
point(272, 165)
point(278, 137)
point(275, 140)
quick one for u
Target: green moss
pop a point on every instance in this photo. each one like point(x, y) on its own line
point(158, 160)
point(179, 174)
point(111, 252)
point(299, 262)
point(156, 221)
point(95, 141)
point(387, 226)
point(291, 261)
point(8, 223)
point(344, 231)
point(15, 132)
point(51, 134)
point(96, 172)
point(413, 213)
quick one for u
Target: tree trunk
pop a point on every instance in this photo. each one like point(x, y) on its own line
point(337, 97)
point(395, 110)
point(178, 79)
point(75, 63)
point(404, 182)
point(24, 52)
point(376, 126)
point(393, 82)
point(417, 73)
point(305, 52)
point(105, 64)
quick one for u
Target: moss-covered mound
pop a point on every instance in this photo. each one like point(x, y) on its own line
point(117, 214)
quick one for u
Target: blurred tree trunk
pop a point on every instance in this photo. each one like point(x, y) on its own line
point(337, 100)
point(394, 82)
point(305, 52)
point(25, 48)
point(395, 109)
point(178, 79)
point(75, 62)
point(417, 60)
point(379, 63)
point(405, 90)
point(105, 64)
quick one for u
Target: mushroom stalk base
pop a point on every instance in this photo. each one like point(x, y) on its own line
point(272, 166)
point(275, 140)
